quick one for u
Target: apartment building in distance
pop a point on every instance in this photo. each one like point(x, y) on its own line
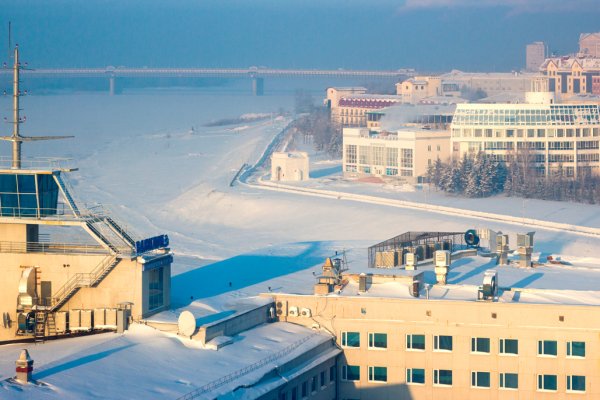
point(589, 44)
point(451, 324)
point(535, 55)
point(350, 105)
point(553, 137)
point(572, 75)
point(491, 82)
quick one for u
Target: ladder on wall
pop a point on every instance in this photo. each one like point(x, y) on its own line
point(40, 326)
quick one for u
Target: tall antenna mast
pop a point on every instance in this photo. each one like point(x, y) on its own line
point(16, 138)
point(9, 44)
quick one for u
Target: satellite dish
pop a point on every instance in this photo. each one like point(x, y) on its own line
point(186, 324)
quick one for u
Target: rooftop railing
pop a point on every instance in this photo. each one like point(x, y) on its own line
point(53, 248)
point(41, 163)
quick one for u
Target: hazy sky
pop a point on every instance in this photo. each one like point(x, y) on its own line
point(430, 35)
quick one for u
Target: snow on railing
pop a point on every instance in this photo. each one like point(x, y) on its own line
point(209, 387)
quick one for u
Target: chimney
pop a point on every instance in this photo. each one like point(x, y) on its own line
point(24, 368)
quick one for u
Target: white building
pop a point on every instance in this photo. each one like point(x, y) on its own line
point(552, 136)
point(289, 166)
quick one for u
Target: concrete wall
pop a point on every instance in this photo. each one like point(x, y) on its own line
point(235, 324)
point(462, 320)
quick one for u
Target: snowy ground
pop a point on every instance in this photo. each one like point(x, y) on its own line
point(139, 154)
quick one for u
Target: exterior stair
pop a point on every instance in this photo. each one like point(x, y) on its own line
point(79, 280)
point(67, 194)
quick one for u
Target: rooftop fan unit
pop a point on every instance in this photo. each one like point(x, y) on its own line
point(489, 289)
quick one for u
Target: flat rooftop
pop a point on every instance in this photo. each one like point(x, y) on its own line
point(169, 366)
point(574, 282)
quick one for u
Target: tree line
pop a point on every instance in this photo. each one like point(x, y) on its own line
point(482, 175)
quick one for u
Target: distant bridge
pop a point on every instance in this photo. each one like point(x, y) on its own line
point(257, 75)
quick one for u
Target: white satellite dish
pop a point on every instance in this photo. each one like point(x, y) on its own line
point(186, 324)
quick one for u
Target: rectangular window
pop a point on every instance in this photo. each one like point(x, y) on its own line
point(480, 345)
point(304, 389)
point(377, 374)
point(442, 343)
point(351, 153)
point(575, 383)
point(407, 158)
point(295, 393)
point(377, 340)
point(323, 381)
point(332, 373)
point(546, 382)
point(576, 349)
point(313, 384)
point(509, 381)
point(351, 373)
point(547, 348)
point(378, 153)
point(364, 155)
point(350, 339)
point(415, 342)
point(391, 157)
point(283, 396)
point(442, 377)
point(509, 346)
point(480, 379)
point(415, 376)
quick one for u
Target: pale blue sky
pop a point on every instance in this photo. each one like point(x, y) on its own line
point(430, 35)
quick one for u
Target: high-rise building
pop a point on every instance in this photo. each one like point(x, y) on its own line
point(535, 55)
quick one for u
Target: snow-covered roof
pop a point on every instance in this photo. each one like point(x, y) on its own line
point(168, 366)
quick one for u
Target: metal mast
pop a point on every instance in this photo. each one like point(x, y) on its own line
point(16, 138)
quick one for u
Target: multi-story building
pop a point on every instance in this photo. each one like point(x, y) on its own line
point(491, 83)
point(589, 44)
point(405, 335)
point(552, 137)
point(571, 75)
point(535, 55)
point(425, 89)
point(350, 105)
point(403, 155)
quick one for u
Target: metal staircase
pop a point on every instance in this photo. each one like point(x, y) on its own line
point(84, 279)
point(40, 326)
point(120, 231)
point(62, 184)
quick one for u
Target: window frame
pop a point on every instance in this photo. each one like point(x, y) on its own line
point(540, 380)
point(345, 373)
point(436, 377)
point(570, 349)
point(371, 374)
point(502, 347)
point(409, 343)
point(542, 348)
point(475, 345)
point(344, 340)
point(410, 381)
point(436, 344)
point(475, 379)
point(570, 384)
point(502, 381)
point(371, 342)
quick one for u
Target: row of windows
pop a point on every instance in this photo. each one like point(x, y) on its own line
point(522, 133)
point(479, 379)
point(321, 380)
point(378, 155)
point(553, 115)
point(379, 341)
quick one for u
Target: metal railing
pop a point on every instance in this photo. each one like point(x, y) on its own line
point(41, 163)
point(83, 279)
point(55, 248)
point(209, 387)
